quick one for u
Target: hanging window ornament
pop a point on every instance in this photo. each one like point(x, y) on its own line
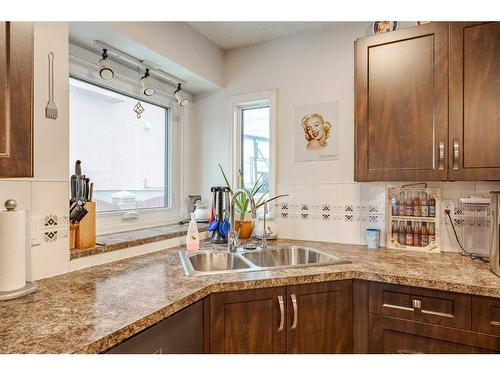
point(138, 108)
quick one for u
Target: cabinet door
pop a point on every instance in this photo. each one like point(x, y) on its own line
point(398, 336)
point(401, 95)
point(474, 101)
point(320, 318)
point(248, 321)
point(181, 333)
point(16, 71)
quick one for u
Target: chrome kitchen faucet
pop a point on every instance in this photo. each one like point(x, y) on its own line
point(232, 239)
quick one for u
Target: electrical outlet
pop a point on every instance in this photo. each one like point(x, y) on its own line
point(447, 205)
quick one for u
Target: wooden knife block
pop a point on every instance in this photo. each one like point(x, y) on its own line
point(85, 233)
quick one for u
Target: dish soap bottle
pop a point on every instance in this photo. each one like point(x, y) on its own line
point(192, 236)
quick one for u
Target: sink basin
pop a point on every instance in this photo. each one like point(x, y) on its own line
point(212, 262)
point(292, 256)
point(209, 262)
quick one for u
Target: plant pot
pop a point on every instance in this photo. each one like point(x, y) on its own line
point(245, 227)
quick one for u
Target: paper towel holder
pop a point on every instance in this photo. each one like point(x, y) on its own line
point(29, 287)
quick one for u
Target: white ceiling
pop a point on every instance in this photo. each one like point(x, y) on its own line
point(228, 35)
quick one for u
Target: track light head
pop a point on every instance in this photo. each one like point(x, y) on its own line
point(181, 96)
point(105, 72)
point(147, 85)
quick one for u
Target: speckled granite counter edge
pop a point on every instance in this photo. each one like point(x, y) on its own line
point(126, 332)
point(100, 249)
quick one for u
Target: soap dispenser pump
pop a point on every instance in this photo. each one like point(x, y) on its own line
point(192, 236)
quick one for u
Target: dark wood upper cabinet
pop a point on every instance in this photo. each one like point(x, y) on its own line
point(427, 103)
point(474, 140)
point(16, 88)
point(401, 95)
point(320, 318)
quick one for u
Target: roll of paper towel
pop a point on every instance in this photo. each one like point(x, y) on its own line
point(12, 250)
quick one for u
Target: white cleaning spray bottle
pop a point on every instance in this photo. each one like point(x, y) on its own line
point(192, 236)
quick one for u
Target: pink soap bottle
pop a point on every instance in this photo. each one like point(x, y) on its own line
point(192, 236)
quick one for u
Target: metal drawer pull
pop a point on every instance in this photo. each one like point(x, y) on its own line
point(455, 154)
point(295, 311)
point(282, 313)
point(417, 304)
point(441, 156)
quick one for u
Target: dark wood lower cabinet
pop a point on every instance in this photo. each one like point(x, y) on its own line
point(182, 333)
point(248, 321)
point(319, 318)
point(400, 336)
point(310, 318)
point(348, 316)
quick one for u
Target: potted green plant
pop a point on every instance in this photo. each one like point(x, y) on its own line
point(242, 203)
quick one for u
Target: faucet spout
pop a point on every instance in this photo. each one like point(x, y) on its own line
point(232, 238)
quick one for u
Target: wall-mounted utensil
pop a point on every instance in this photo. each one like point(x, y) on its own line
point(51, 108)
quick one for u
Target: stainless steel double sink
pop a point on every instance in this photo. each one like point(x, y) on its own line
point(209, 262)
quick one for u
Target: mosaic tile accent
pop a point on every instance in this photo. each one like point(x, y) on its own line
point(50, 236)
point(51, 220)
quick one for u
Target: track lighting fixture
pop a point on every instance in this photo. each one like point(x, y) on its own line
point(105, 72)
point(147, 85)
point(181, 96)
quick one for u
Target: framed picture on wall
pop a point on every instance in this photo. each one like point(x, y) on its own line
point(317, 132)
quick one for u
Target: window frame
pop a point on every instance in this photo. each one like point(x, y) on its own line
point(84, 67)
point(236, 106)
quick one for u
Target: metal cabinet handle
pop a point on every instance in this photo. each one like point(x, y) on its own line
point(406, 351)
point(455, 154)
point(295, 311)
point(282, 313)
point(441, 155)
point(416, 304)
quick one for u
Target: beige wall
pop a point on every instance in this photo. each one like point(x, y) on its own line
point(307, 68)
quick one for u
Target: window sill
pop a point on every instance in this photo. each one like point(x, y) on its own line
point(123, 240)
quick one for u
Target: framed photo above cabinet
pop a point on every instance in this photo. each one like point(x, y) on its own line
point(427, 103)
point(16, 99)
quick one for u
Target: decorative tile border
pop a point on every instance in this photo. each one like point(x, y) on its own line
point(348, 212)
point(54, 227)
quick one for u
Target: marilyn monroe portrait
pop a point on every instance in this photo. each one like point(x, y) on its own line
point(316, 131)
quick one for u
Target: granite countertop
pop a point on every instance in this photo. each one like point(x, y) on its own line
point(91, 310)
point(123, 240)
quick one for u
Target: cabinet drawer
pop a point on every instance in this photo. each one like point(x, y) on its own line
point(423, 305)
point(399, 336)
point(486, 315)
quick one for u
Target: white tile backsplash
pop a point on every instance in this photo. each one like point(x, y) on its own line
point(342, 212)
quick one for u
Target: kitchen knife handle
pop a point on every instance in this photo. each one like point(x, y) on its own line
point(91, 192)
point(78, 168)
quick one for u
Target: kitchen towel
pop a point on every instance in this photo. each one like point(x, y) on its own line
point(12, 250)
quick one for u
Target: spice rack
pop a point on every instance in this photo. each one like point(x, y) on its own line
point(413, 215)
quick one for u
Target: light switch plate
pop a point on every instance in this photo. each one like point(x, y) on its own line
point(35, 231)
